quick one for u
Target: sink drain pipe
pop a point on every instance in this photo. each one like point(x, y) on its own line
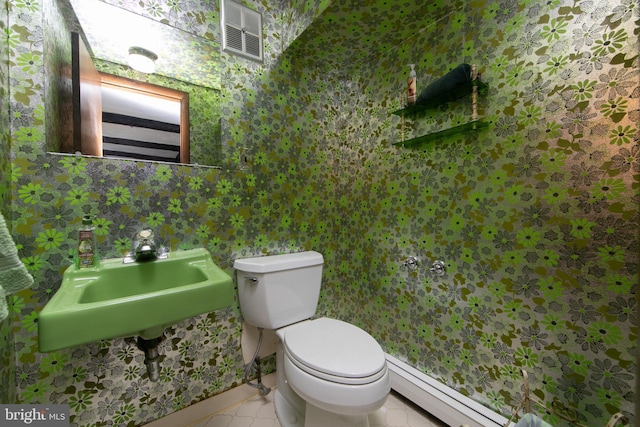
point(255, 362)
point(151, 356)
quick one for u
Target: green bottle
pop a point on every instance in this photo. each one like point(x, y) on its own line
point(87, 248)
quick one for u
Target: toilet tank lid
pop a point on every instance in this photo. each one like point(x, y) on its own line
point(268, 264)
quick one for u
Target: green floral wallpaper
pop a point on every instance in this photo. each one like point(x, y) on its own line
point(536, 216)
point(7, 356)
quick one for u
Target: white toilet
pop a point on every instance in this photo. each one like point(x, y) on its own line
point(329, 372)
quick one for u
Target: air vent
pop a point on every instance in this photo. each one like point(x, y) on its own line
point(241, 30)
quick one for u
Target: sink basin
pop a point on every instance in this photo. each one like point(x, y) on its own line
point(121, 300)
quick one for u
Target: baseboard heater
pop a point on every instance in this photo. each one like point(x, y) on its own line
point(443, 402)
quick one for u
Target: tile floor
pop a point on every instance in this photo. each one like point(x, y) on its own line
point(259, 412)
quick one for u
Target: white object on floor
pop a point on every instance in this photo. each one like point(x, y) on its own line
point(530, 420)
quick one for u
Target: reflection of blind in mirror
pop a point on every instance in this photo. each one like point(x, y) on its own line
point(139, 126)
point(242, 30)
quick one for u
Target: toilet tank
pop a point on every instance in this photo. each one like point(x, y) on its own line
point(279, 290)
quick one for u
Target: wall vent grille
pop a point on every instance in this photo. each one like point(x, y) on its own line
point(241, 30)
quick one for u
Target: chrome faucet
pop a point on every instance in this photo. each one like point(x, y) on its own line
point(144, 247)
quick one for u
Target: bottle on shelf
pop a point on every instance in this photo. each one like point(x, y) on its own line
point(412, 86)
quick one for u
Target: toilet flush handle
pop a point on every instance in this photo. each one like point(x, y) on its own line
point(251, 279)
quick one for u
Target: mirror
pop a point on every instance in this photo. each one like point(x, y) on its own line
point(186, 63)
point(110, 31)
point(127, 119)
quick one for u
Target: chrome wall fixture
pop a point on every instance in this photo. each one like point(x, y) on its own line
point(411, 263)
point(438, 268)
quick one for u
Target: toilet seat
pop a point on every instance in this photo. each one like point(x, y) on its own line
point(335, 351)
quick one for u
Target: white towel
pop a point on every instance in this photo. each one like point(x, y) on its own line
point(4, 307)
point(14, 276)
point(530, 420)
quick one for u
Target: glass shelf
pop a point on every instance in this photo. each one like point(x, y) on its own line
point(459, 92)
point(467, 127)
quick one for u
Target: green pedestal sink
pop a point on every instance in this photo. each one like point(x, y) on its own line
point(121, 300)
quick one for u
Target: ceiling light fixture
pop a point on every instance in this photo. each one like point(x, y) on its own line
point(142, 60)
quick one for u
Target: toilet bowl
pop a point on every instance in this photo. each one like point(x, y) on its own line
point(335, 366)
point(329, 372)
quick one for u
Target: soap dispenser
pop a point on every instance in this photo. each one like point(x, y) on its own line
point(87, 247)
point(412, 86)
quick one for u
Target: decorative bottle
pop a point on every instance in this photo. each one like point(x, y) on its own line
point(87, 247)
point(411, 89)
